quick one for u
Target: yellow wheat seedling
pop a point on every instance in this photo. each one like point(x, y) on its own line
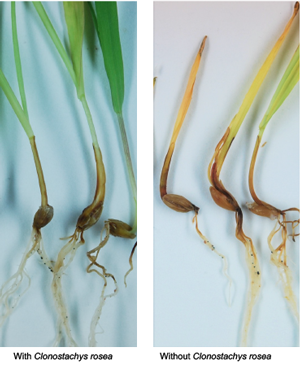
point(178, 202)
point(259, 207)
point(224, 198)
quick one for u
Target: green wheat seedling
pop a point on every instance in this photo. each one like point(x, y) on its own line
point(9, 292)
point(259, 207)
point(74, 17)
point(107, 26)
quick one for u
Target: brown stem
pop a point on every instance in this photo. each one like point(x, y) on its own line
point(101, 177)
point(175, 202)
point(260, 208)
point(91, 214)
point(39, 171)
point(45, 213)
point(165, 171)
point(251, 171)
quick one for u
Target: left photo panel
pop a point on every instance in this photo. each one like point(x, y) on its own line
point(68, 195)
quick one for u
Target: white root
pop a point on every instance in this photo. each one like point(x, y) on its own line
point(66, 253)
point(9, 297)
point(98, 311)
point(43, 256)
point(255, 285)
point(212, 248)
point(279, 259)
point(93, 255)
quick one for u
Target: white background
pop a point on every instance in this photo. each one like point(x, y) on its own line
point(190, 307)
point(66, 154)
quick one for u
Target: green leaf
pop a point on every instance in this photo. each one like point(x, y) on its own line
point(109, 36)
point(74, 16)
point(288, 81)
point(18, 58)
point(55, 39)
point(10, 95)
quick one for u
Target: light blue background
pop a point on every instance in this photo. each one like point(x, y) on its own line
point(65, 150)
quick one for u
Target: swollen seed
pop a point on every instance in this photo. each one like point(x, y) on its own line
point(266, 210)
point(43, 216)
point(222, 200)
point(89, 216)
point(179, 203)
point(118, 228)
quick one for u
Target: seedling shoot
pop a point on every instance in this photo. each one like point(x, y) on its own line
point(9, 298)
point(259, 207)
point(107, 27)
point(224, 198)
point(178, 202)
point(74, 16)
point(75, 48)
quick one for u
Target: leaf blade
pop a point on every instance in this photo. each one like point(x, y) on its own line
point(109, 37)
point(74, 16)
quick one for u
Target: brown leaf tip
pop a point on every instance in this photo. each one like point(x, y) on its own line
point(202, 45)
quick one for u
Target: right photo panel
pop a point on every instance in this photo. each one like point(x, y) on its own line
point(226, 174)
